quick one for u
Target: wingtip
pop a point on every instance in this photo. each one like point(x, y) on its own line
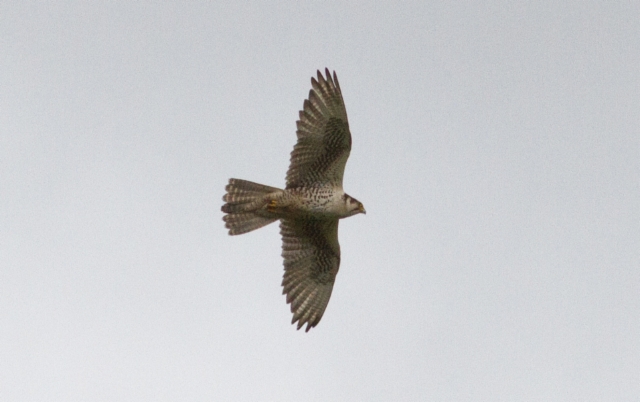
point(301, 324)
point(326, 76)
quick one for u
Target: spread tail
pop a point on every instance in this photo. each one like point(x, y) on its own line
point(243, 208)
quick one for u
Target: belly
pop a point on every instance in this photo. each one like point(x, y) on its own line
point(320, 202)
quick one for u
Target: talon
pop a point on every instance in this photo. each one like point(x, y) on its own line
point(271, 206)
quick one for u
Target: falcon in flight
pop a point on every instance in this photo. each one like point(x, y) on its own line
point(309, 207)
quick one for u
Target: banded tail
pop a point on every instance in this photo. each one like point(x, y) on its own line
point(244, 206)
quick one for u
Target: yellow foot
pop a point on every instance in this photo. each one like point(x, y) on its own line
point(271, 206)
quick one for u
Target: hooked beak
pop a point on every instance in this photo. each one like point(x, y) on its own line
point(361, 209)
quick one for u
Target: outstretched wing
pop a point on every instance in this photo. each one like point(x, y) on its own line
point(324, 140)
point(311, 260)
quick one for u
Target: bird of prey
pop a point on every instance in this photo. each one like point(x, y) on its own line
point(309, 207)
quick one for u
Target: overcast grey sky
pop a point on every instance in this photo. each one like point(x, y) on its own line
point(496, 147)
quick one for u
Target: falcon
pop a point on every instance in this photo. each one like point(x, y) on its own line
point(310, 206)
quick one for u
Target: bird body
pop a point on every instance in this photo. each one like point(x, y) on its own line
point(319, 202)
point(310, 206)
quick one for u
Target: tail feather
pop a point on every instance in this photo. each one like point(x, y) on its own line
point(238, 186)
point(244, 202)
point(245, 222)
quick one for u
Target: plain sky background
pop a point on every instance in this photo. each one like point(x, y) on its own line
point(496, 147)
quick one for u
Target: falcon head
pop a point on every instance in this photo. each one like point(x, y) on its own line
point(353, 206)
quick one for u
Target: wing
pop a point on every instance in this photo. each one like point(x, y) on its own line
point(324, 140)
point(311, 260)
